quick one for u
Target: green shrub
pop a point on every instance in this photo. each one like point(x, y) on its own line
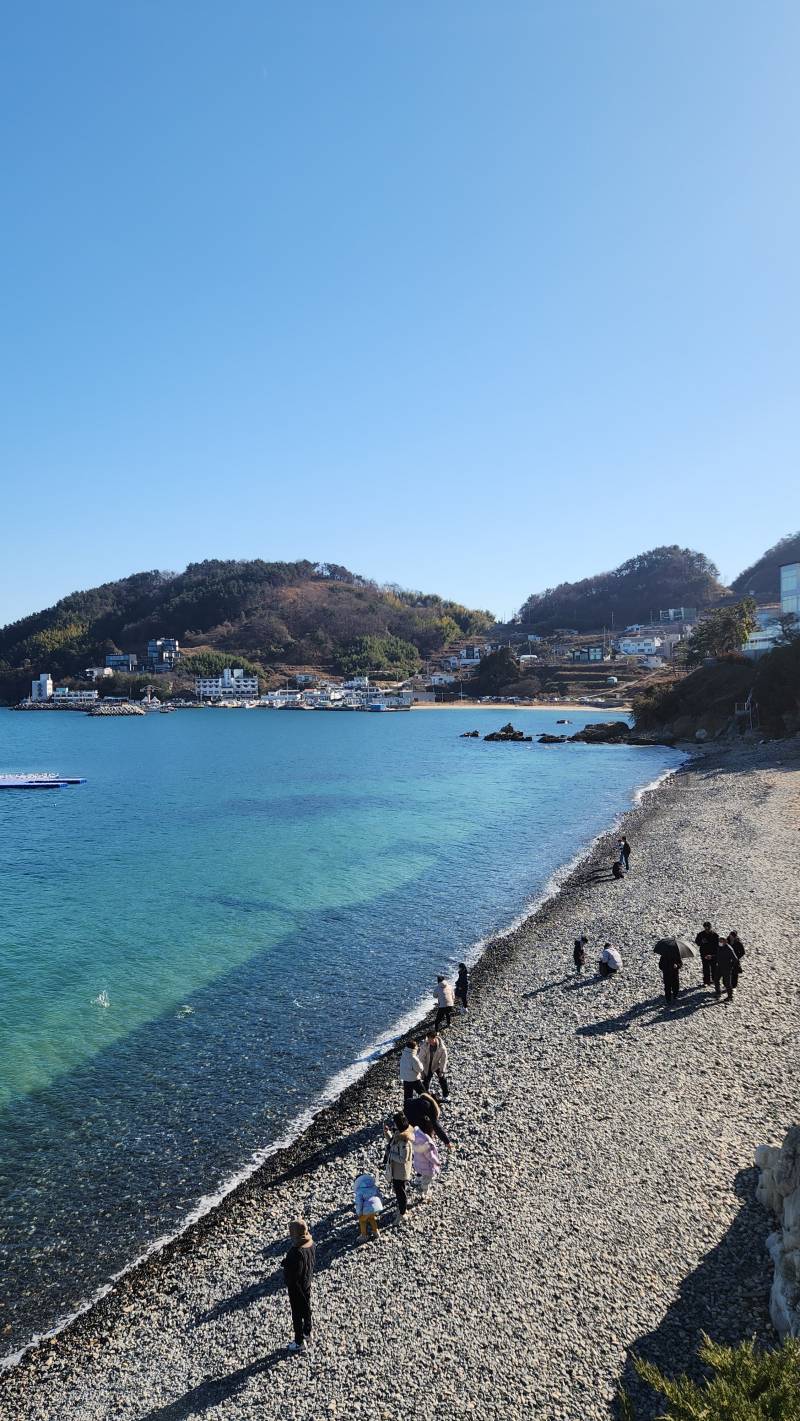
point(747, 1384)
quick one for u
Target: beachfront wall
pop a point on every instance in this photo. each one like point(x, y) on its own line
point(779, 1191)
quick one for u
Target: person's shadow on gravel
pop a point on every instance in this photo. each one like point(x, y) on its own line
point(727, 1296)
point(621, 1022)
point(214, 1390)
point(333, 1238)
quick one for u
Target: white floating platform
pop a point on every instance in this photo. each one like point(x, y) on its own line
point(37, 782)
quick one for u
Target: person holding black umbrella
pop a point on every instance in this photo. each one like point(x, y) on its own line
point(670, 963)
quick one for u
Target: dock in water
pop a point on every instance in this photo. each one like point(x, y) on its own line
point(37, 781)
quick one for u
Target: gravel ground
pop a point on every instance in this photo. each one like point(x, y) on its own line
point(599, 1198)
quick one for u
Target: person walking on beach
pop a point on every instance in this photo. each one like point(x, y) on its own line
point(424, 1111)
point(433, 1055)
point(445, 998)
point(610, 961)
point(670, 963)
point(736, 943)
point(708, 942)
point(579, 953)
point(625, 853)
point(368, 1204)
point(410, 1070)
point(727, 968)
point(462, 986)
point(298, 1271)
point(398, 1158)
point(426, 1162)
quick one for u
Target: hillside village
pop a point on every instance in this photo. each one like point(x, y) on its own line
point(523, 661)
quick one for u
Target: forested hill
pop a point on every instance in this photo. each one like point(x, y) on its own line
point(296, 613)
point(663, 577)
point(763, 579)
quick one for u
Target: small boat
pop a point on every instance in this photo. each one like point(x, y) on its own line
point(38, 781)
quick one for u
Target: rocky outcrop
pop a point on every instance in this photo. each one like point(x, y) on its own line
point(604, 732)
point(779, 1190)
point(507, 732)
point(551, 739)
point(470, 735)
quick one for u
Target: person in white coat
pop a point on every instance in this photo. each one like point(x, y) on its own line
point(368, 1203)
point(445, 1001)
point(411, 1072)
point(610, 961)
point(433, 1055)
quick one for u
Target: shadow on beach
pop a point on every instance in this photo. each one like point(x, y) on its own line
point(727, 1296)
point(214, 1390)
point(334, 1236)
point(655, 1008)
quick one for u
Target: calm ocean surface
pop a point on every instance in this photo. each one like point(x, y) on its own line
point(234, 908)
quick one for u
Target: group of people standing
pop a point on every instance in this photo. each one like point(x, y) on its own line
point(412, 1140)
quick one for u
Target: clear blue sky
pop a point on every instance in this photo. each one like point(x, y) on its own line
point(474, 297)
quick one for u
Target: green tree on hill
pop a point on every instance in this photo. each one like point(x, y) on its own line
point(497, 671)
point(387, 655)
point(723, 630)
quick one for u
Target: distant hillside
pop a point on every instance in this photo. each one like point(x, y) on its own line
point(663, 577)
point(298, 613)
point(763, 578)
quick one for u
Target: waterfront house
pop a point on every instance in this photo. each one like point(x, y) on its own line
point(65, 696)
point(42, 687)
point(233, 684)
point(121, 661)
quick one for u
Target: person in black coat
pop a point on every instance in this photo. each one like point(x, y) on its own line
point(727, 967)
point(670, 962)
point(579, 953)
point(708, 942)
point(298, 1271)
point(736, 943)
point(625, 853)
point(462, 986)
point(423, 1112)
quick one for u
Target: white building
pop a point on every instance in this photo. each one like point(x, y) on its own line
point(231, 685)
point(42, 688)
point(65, 696)
point(97, 673)
point(640, 645)
point(356, 683)
point(764, 635)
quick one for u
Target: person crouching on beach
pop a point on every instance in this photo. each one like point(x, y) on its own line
point(410, 1070)
point(610, 961)
point(368, 1204)
point(617, 870)
point(424, 1111)
point(298, 1271)
point(445, 999)
point(462, 986)
point(433, 1055)
point(579, 953)
point(426, 1161)
point(398, 1158)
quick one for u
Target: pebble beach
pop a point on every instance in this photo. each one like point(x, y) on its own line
point(599, 1199)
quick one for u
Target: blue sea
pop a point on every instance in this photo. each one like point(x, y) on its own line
point(216, 931)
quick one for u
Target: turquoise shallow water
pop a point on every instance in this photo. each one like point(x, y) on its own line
point(234, 907)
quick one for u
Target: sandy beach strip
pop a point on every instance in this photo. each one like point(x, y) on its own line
point(600, 1198)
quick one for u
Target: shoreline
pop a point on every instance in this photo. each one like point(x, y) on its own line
point(299, 1132)
point(574, 706)
point(326, 1139)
